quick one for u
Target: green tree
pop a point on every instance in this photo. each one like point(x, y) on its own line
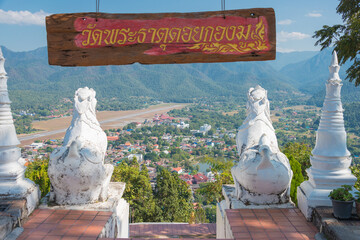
point(297, 178)
point(185, 199)
point(173, 198)
point(210, 212)
point(301, 152)
point(345, 37)
point(37, 171)
point(138, 190)
point(200, 215)
point(152, 156)
point(355, 169)
point(212, 191)
point(23, 124)
point(130, 126)
point(49, 149)
point(166, 196)
point(218, 165)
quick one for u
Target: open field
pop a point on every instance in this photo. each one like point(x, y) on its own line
point(302, 108)
point(56, 128)
point(232, 113)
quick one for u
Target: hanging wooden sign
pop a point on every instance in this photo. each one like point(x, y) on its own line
point(90, 39)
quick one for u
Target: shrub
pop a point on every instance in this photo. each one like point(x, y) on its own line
point(297, 178)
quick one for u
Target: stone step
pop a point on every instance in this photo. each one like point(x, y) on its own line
point(335, 229)
point(15, 233)
point(6, 226)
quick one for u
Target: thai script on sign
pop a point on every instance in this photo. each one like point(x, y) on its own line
point(233, 35)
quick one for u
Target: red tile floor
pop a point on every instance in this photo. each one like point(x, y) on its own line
point(245, 224)
point(163, 230)
point(270, 224)
point(64, 224)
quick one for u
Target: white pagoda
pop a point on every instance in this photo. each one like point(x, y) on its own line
point(330, 160)
point(13, 184)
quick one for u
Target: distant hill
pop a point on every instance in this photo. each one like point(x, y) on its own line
point(349, 94)
point(283, 59)
point(33, 81)
point(310, 75)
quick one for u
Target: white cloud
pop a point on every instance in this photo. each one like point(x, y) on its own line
point(285, 22)
point(285, 36)
point(314, 14)
point(23, 17)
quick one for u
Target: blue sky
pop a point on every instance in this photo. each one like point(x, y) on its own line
point(22, 24)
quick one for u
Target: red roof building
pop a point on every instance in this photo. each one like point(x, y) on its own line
point(178, 170)
point(185, 177)
point(199, 178)
point(112, 138)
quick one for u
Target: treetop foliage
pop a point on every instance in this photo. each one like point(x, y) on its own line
point(301, 152)
point(37, 171)
point(212, 191)
point(297, 178)
point(138, 190)
point(219, 165)
point(345, 37)
point(173, 198)
point(355, 169)
point(169, 202)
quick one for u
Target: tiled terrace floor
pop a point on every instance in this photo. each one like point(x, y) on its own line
point(64, 224)
point(173, 230)
point(245, 224)
point(270, 224)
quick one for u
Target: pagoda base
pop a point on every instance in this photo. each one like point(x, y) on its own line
point(315, 192)
point(310, 197)
point(22, 189)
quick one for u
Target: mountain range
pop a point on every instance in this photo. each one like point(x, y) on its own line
point(32, 81)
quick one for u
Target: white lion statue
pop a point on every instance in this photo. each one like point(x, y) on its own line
point(77, 171)
point(263, 173)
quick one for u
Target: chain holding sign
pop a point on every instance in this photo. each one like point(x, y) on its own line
point(90, 39)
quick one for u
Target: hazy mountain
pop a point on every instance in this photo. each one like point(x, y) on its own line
point(349, 93)
point(283, 59)
point(310, 75)
point(32, 80)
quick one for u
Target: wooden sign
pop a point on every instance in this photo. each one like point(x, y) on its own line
point(90, 39)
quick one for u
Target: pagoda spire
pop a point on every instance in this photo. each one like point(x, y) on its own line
point(2, 63)
point(334, 68)
point(7, 129)
point(13, 184)
point(330, 160)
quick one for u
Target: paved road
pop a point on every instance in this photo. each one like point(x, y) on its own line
point(50, 133)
